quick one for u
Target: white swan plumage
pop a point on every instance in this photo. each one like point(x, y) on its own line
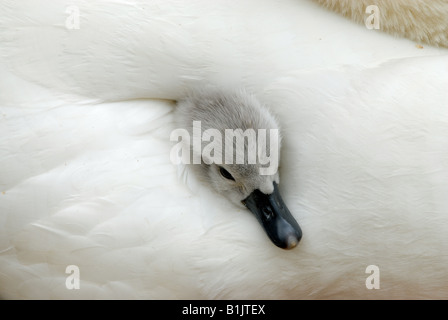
point(86, 112)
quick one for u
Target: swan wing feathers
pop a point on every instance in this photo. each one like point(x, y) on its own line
point(86, 178)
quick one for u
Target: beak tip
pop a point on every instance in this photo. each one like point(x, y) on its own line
point(292, 241)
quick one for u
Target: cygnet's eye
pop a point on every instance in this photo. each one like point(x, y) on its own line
point(226, 174)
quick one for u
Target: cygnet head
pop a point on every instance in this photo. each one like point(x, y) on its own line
point(234, 146)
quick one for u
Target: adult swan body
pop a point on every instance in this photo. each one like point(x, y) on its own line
point(86, 181)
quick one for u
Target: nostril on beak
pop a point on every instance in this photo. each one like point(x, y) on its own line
point(267, 213)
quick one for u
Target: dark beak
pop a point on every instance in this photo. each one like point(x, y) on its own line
point(274, 216)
